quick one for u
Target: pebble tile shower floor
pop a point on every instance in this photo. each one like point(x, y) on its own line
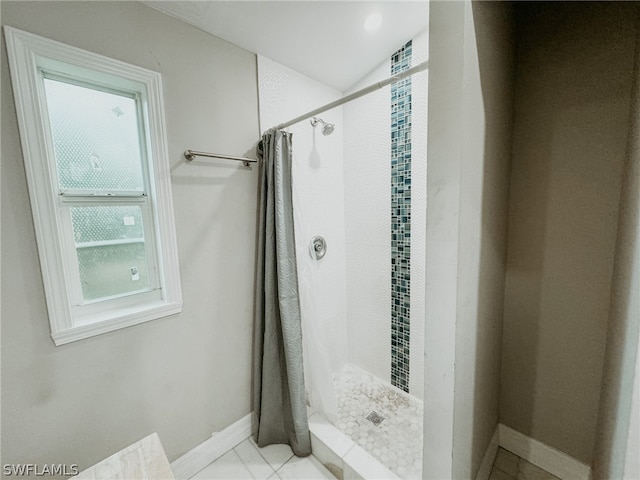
point(393, 431)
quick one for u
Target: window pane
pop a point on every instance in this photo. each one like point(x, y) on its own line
point(111, 250)
point(107, 222)
point(95, 137)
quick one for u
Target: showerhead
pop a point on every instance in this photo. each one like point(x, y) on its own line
point(327, 128)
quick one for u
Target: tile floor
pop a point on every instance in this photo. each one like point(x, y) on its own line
point(382, 419)
point(508, 466)
point(247, 461)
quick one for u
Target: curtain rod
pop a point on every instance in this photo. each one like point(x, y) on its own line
point(191, 154)
point(371, 88)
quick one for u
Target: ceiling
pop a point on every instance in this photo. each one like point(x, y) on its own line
point(325, 40)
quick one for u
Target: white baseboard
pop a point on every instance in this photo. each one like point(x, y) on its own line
point(211, 449)
point(489, 457)
point(548, 458)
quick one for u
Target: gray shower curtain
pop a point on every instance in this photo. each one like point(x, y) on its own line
point(278, 380)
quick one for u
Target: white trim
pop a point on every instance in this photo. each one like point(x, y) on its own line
point(211, 449)
point(340, 455)
point(85, 331)
point(548, 458)
point(361, 465)
point(28, 53)
point(108, 243)
point(489, 457)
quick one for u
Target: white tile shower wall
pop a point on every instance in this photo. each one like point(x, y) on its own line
point(283, 95)
point(367, 177)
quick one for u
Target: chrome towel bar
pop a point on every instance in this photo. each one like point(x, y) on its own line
point(191, 154)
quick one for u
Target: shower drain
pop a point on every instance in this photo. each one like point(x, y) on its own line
point(375, 418)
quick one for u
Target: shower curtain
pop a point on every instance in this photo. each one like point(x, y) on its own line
point(278, 379)
point(318, 375)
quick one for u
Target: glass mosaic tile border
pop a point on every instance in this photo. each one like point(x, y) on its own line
point(400, 218)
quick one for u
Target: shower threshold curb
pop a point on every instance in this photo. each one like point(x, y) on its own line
point(342, 456)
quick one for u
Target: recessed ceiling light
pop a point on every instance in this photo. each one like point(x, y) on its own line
point(373, 22)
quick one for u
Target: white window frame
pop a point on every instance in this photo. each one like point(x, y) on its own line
point(29, 56)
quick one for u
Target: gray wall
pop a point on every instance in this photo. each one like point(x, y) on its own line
point(573, 84)
point(618, 427)
point(184, 376)
point(469, 144)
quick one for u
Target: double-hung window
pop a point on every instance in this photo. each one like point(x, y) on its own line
point(94, 146)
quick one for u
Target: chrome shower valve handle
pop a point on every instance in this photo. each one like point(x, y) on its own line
point(319, 246)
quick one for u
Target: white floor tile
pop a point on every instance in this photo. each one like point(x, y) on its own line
point(307, 468)
point(275, 455)
point(227, 467)
point(255, 463)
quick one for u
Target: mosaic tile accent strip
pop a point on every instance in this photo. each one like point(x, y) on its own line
point(400, 218)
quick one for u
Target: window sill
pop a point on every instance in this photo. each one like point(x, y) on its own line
point(116, 320)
